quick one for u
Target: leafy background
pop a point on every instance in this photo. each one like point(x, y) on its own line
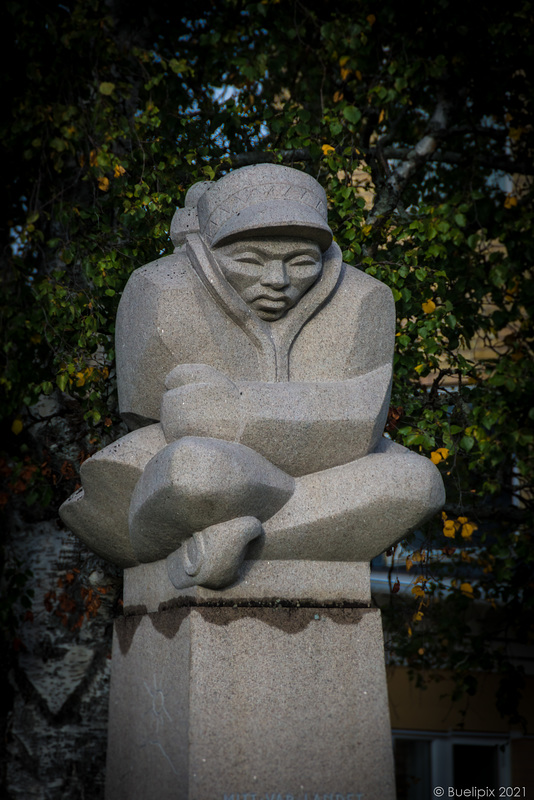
point(418, 121)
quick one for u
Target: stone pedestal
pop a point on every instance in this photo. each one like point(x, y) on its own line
point(249, 699)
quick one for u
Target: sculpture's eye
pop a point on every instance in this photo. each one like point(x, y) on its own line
point(303, 261)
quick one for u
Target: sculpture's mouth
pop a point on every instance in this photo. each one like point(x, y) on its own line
point(268, 302)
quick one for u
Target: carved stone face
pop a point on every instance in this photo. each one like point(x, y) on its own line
point(270, 273)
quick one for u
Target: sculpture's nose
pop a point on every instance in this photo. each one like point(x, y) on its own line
point(274, 274)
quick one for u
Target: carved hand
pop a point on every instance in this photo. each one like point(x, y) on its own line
point(200, 401)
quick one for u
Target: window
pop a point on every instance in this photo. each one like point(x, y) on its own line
point(424, 761)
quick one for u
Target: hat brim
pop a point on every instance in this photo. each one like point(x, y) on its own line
point(275, 218)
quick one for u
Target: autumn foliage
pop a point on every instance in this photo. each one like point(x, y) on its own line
point(420, 127)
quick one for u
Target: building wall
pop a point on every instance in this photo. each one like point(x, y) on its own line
point(430, 714)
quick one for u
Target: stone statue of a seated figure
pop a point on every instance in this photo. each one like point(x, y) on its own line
point(254, 369)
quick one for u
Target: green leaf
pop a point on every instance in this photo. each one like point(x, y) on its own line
point(467, 442)
point(106, 88)
point(352, 114)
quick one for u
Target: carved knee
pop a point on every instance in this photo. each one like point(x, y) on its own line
point(197, 482)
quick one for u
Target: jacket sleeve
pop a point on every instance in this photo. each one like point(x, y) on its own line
point(308, 427)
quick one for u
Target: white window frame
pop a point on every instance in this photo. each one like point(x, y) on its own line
point(441, 752)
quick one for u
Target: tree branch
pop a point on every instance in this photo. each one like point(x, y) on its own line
point(270, 157)
point(508, 513)
point(399, 153)
point(448, 157)
point(393, 185)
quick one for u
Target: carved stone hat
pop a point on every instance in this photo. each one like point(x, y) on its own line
point(266, 199)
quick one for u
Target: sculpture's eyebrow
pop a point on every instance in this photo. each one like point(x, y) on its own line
point(295, 250)
point(305, 250)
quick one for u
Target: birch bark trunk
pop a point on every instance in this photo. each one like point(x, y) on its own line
point(58, 665)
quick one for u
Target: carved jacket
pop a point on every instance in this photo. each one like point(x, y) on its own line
point(321, 371)
point(313, 387)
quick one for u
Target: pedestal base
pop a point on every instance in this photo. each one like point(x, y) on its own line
point(235, 703)
point(323, 583)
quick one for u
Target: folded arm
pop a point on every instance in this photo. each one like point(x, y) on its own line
point(301, 427)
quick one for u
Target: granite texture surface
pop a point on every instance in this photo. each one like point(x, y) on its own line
point(147, 588)
point(255, 369)
point(207, 703)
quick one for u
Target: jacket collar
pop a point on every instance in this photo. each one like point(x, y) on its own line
point(273, 340)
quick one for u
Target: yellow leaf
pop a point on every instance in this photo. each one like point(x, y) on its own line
point(366, 230)
point(343, 60)
point(80, 379)
point(93, 158)
point(421, 651)
point(118, 171)
point(381, 116)
point(516, 133)
point(418, 591)
point(418, 616)
point(106, 88)
point(345, 73)
point(449, 529)
point(103, 184)
point(327, 148)
point(468, 529)
point(371, 19)
point(428, 307)
point(439, 455)
point(514, 287)
point(358, 74)
point(510, 201)
point(417, 557)
point(466, 589)
point(17, 426)
point(462, 520)
point(338, 97)
point(419, 368)
point(409, 564)
point(409, 631)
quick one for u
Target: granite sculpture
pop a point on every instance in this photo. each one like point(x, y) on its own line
point(254, 370)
